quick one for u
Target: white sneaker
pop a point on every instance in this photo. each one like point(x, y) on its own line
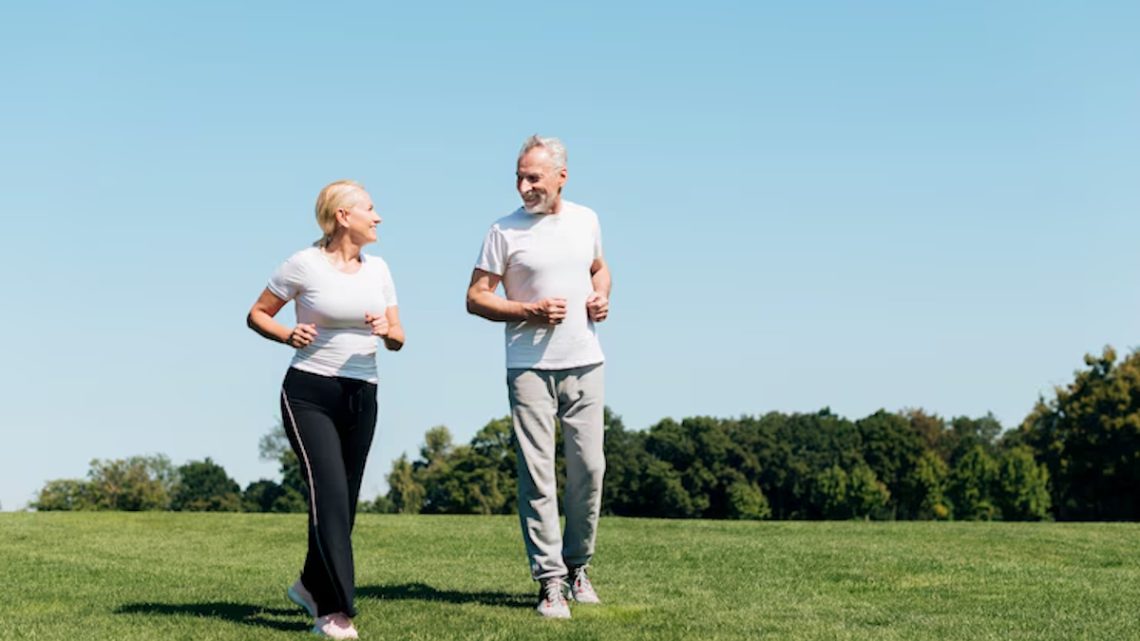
point(581, 590)
point(335, 626)
point(552, 599)
point(299, 595)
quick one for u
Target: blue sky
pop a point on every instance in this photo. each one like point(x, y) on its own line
point(854, 205)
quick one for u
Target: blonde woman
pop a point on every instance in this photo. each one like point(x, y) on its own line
point(345, 300)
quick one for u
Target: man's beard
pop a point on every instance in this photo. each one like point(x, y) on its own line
point(541, 206)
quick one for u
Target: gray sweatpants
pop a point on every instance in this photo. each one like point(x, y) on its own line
point(576, 397)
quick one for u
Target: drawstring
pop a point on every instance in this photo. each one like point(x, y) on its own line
point(356, 402)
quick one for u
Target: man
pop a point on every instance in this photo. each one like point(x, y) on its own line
point(548, 256)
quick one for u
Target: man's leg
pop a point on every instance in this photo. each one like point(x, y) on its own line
point(581, 400)
point(533, 408)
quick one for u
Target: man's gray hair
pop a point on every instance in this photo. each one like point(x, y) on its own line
point(553, 146)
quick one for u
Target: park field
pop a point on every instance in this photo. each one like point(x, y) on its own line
point(95, 576)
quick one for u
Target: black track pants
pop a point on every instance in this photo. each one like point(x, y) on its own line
point(330, 422)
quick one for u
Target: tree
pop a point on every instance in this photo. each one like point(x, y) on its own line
point(1022, 490)
point(1088, 437)
point(970, 489)
point(931, 431)
point(378, 505)
point(829, 493)
point(664, 494)
point(966, 433)
point(795, 452)
point(204, 486)
point(866, 494)
point(133, 484)
point(626, 461)
point(437, 444)
point(890, 448)
point(747, 501)
point(64, 495)
point(264, 495)
point(274, 446)
point(404, 492)
point(925, 487)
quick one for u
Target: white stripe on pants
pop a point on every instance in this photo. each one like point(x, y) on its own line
point(576, 397)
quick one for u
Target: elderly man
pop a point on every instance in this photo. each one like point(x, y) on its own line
point(548, 257)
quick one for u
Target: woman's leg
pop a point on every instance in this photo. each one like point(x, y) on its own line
point(309, 403)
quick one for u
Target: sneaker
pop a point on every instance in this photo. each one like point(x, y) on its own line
point(335, 626)
point(581, 590)
point(552, 599)
point(299, 595)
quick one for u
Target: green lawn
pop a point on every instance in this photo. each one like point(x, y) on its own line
point(222, 576)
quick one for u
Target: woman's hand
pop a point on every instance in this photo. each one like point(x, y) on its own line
point(387, 326)
point(301, 335)
point(379, 324)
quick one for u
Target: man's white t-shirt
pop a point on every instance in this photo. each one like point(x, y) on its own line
point(336, 303)
point(547, 256)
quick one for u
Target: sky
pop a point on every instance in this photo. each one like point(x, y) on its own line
point(835, 204)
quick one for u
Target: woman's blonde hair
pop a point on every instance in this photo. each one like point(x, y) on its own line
point(341, 194)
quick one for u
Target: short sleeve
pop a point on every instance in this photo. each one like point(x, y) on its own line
point(493, 256)
point(285, 283)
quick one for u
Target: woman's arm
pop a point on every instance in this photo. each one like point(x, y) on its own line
point(260, 320)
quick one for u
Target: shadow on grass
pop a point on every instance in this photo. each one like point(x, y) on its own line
point(244, 613)
point(424, 592)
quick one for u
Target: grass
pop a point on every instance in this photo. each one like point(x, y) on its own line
point(222, 576)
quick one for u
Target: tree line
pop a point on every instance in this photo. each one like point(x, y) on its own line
point(1076, 456)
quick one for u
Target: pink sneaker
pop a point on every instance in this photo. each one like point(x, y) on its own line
point(335, 626)
point(581, 589)
point(299, 595)
point(552, 599)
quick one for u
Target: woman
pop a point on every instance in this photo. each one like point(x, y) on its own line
point(345, 299)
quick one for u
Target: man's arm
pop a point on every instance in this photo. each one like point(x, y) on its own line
point(598, 304)
point(600, 276)
point(483, 301)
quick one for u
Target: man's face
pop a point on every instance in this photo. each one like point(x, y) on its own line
point(538, 182)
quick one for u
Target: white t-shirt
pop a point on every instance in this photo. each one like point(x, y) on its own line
point(547, 256)
point(336, 303)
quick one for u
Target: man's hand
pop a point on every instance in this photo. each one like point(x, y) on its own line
point(302, 335)
point(597, 307)
point(548, 311)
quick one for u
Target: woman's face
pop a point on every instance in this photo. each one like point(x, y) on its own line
point(361, 219)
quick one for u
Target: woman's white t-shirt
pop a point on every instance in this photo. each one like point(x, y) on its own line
point(336, 303)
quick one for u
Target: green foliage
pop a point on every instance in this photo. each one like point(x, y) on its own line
point(64, 495)
point(867, 496)
point(380, 505)
point(829, 493)
point(1022, 490)
point(204, 486)
point(274, 446)
point(133, 484)
point(479, 478)
point(925, 488)
point(1076, 456)
point(405, 493)
point(747, 502)
point(664, 492)
point(1088, 437)
point(970, 487)
point(265, 495)
point(891, 449)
